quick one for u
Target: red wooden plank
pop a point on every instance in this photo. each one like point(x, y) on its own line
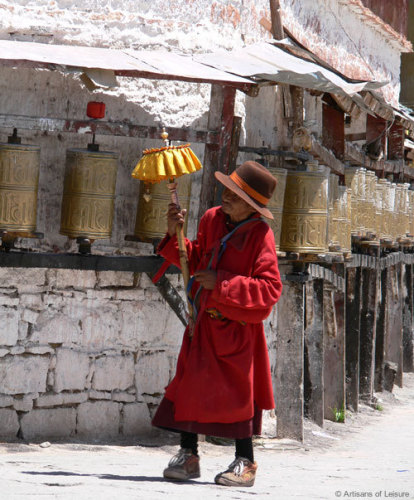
point(333, 130)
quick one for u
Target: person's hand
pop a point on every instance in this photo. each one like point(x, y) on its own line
point(207, 279)
point(174, 217)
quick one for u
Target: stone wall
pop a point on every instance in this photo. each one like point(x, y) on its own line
point(83, 353)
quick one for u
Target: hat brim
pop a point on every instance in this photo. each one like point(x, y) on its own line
point(229, 184)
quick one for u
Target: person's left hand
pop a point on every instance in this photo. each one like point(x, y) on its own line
point(206, 278)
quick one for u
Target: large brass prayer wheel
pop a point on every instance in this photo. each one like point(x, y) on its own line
point(305, 211)
point(151, 219)
point(19, 178)
point(89, 194)
point(276, 202)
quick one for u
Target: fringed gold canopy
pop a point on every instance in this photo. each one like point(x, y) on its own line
point(168, 162)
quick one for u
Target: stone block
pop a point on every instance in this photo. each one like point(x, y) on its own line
point(17, 349)
point(113, 372)
point(52, 299)
point(55, 328)
point(74, 398)
point(49, 400)
point(15, 276)
point(39, 349)
point(100, 395)
point(25, 403)
point(51, 423)
point(131, 294)
point(136, 420)
point(4, 352)
point(5, 300)
point(9, 423)
point(123, 397)
point(115, 278)
point(30, 316)
point(23, 374)
point(152, 373)
point(132, 326)
point(98, 420)
point(71, 371)
point(75, 278)
point(23, 330)
point(101, 295)
point(5, 401)
point(100, 329)
point(9, 321)
point(32, 301)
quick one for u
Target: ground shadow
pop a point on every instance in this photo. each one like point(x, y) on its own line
point(115, 477)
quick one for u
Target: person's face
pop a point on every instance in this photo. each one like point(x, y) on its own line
point(236, 208)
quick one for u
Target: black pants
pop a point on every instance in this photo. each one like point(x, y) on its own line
point(244, 447)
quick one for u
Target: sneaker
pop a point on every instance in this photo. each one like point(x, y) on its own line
point(241, 472)
point(184, 465)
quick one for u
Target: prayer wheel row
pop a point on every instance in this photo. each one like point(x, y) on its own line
point(312, 212)
point(380, 209)
point(88, 195)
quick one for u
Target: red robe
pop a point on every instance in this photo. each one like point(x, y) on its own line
point(223, 372)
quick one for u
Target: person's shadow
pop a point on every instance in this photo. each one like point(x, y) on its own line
point(115, 477)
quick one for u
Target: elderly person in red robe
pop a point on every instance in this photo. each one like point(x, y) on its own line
point(223, 381)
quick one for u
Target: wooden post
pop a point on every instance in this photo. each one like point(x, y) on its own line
point(393, 344)
point(367, 332)
point(217, 156)
point(408, 361)
point(289, 362)
point(380, 331)
point(314, 352)
point(334, 350)
point(352, 329)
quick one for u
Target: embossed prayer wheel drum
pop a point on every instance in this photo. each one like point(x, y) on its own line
point(276, 202)
point(19, 178)
point(89, 194)
point(151, 220)
point(305, 211)
point(353, 180)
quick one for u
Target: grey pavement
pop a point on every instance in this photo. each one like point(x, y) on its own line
point(370, 456)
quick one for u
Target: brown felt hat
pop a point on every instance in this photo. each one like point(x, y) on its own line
point(253, 183)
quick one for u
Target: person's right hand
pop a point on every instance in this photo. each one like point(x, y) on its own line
point(174, 217)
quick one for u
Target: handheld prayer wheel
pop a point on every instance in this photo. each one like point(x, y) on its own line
point(276, 202)
point(19, 178)
point(305, 211)
point(151, 218)
point(89, 194)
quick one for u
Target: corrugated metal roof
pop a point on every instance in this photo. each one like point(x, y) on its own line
point(127, 63)
point(279, 62)
point(266, 61)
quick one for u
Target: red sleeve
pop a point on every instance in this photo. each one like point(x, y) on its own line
point(168, 248)
point(251, 298)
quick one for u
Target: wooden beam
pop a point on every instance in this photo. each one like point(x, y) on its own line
point(217, 156)
point(334, 351)
point(408, 344)
point(367, 332)
point(289, 362)
point(314, 352)
point(276, 18)
point(333, 130)
point(352, 329)
point(101, 127)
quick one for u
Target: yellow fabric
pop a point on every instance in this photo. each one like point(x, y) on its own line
point(166, 163)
